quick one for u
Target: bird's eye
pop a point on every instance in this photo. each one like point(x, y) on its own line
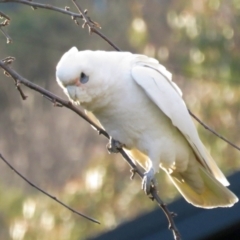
point(84, 78)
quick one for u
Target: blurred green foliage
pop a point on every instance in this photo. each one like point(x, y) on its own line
point(198, 41)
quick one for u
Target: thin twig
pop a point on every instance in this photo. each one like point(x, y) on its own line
point(4, 15)
point(45, 193)
point(9, 39)
point(92, 26)
point(52, 97)
point(212, 131)
point(169, 215)
point(17, 83)
point(36, 5)
point(5, 23)
point(155, 196)
point(8, 61)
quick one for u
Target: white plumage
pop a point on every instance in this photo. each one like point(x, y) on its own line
point(134, 99)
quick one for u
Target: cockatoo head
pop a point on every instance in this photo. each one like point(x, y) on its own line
point(81, 75)
point(72, 74)
point(89, 77)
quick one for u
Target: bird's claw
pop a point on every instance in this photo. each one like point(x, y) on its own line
point(148, 181)
point(113, 146)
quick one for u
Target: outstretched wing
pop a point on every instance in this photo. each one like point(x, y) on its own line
point(156, 81)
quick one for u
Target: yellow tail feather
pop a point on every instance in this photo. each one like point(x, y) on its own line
point(213, 194)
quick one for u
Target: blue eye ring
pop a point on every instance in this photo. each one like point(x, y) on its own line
point(83, 78)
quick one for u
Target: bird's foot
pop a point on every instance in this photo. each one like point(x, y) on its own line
point(113, 146)
point(148, 181)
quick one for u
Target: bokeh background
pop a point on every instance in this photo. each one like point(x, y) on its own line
point(198, 41)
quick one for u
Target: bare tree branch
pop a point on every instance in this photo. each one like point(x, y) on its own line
point(45, 193)
point(93, 28)
point(57, 100)
point(53, 98)
point(35, 5)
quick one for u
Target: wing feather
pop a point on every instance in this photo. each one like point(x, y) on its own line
point(156, 81)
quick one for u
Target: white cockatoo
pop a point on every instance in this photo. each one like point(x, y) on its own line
point(134, 99)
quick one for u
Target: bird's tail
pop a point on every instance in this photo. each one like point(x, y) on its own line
point(210, 194)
